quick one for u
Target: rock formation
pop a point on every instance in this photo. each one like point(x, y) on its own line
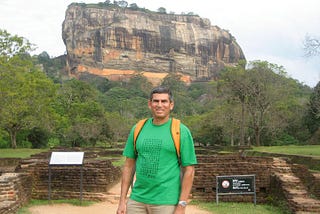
point(116, 43)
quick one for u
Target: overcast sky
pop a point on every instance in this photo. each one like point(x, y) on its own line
point(272, 30)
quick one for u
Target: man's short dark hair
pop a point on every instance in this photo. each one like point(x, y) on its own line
point(161, 90)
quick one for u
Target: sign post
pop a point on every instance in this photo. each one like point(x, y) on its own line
point(66, 159)
point(236, 184)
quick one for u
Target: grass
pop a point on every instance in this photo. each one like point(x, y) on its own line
point(238, 208)
point(19, 153)
point(75, 202)
point(120, 162)
point(305, 150)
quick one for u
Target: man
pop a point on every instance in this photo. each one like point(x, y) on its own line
point(158, 188)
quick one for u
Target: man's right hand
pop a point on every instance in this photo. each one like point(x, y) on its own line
point(121, 208)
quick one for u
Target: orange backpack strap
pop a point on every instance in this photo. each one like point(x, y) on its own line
point(137, 130)
point(175, 132)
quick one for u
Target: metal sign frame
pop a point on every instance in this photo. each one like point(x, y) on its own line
point(66, 159)
point(236, 184)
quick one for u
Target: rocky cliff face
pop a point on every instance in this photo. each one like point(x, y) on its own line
point(120, 42)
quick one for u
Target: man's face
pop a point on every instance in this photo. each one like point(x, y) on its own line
point(160, 106)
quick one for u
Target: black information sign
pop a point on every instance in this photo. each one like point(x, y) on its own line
point(236, 184)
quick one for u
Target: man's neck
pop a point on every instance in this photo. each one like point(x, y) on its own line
point(160, 121)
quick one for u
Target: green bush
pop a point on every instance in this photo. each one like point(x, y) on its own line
point(38, 138)
point(53, 142)
point(4, 144)
point(25, 144)
point(285, 139)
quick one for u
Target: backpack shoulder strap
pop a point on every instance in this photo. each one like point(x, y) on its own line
point(137, 130)
point(175, 132)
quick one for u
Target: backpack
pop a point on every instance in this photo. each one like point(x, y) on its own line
point(175, 133)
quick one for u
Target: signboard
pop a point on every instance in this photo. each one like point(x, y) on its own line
point(235, 184)
point(66, 158)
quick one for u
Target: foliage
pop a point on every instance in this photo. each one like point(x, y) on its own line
point(53, 67)
point(81, 116)
point(162, 10)
point(26, 92)
point(313, 114)
point(38, 138)
point(11, 46)
point(100, 83)
point(250, 104)
point(267, 101)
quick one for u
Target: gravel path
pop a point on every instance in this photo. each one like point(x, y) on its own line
point(106, 207)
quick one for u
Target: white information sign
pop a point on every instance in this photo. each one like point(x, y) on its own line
point(66, 158)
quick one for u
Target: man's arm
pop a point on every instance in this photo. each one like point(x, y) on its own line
point(187, 181)
point(125, 184)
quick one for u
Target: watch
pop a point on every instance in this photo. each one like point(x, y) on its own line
point(182, 203)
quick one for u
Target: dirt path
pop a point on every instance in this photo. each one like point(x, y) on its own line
point(106, 207)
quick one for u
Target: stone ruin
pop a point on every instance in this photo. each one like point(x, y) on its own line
point(25, 179)
point(276, 178)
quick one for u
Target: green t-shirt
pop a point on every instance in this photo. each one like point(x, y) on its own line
point(157, 166)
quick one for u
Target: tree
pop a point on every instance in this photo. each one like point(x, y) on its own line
point(122, 4)
point(313, 115)
point(82, 117)
point(234, 83)
point(25, 101)
point(11, 46)
point(25, 92)
point(162, 10)
point(265, 89)
point(134, 6)
point(263, 96)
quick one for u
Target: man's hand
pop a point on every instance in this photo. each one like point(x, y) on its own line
point(180, 210)
point(121, 208)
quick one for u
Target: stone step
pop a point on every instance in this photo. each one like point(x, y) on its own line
point(295, 192)
point(307, 205)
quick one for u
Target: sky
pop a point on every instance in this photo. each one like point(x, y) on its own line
point(267, 30)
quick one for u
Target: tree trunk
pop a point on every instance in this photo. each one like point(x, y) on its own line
point(13, 137)
point(257, 135)
point(242, 125)
point(232, 138)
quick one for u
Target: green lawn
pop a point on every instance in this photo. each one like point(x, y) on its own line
point(19, 153)
point(306, 150)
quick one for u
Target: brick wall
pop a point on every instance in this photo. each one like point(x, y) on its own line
point(98, 177)
point(209, 167)
point(15, 191)
point(310, 180)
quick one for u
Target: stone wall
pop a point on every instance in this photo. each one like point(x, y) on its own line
point(310, 180)
point(15, 191)
point(275, 178)
point(98, 177)
point(209, 167)
point(24, 179)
